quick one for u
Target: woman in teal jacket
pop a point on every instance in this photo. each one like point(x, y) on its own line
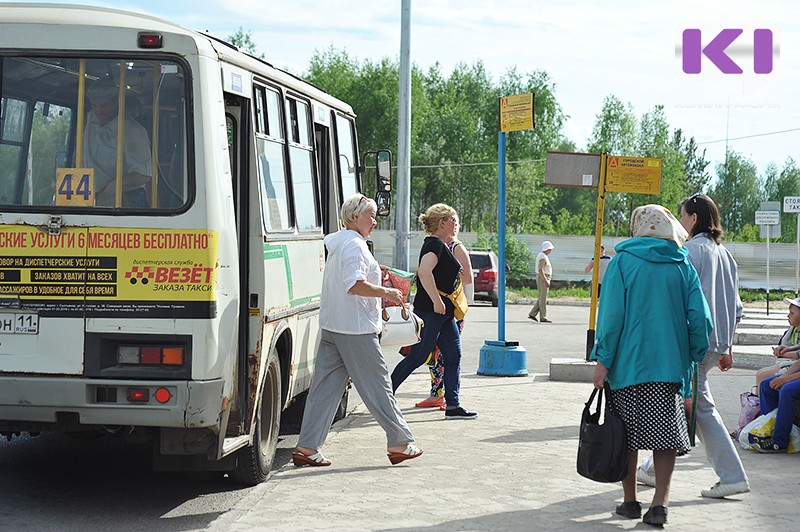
point(653, 323)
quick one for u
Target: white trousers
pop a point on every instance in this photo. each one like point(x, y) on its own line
point(717, 442)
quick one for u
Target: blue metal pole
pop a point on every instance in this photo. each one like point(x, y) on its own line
point(501, 235)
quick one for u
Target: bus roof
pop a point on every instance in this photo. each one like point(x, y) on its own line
point(82, 15)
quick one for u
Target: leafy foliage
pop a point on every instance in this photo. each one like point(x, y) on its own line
point(244, 39)
point(454, 148)
point(518, 256)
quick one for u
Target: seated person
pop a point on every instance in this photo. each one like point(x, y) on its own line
point(789, 348)
point(100, 150)
point(781, 392)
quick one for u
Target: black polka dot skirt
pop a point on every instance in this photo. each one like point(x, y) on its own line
point(654, 416)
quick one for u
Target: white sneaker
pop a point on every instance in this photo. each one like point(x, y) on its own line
point(719, 490)
point(646, 479)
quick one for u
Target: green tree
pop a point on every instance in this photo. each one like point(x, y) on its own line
point(244, 40)
point(654, 141)
point(518, 256)
point(695, 164)
point(615, 133)
point(615, 129)
point(737, 192)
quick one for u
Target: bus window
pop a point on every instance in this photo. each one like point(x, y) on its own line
point(153, 138)
point(49, 136)
point(271, 161)
point(347, 156)
point(301, 156)
point(14, 114)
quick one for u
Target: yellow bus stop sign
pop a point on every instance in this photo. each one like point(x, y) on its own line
point(638, 175)
point(516, 112)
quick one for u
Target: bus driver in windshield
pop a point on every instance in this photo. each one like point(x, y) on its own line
point(100, 150)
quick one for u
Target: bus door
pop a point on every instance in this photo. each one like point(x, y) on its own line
point(237, 84)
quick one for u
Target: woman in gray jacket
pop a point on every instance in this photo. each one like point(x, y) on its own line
point(720, 281)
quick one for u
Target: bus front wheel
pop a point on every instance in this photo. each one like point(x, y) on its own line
point(255, 462)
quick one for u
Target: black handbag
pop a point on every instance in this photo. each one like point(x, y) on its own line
point(602, 449)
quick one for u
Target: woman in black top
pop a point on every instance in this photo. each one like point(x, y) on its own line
point(438, 270)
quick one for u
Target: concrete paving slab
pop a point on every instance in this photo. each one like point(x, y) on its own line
point(511, 469)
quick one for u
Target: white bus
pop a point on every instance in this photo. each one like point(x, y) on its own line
point(163, 199)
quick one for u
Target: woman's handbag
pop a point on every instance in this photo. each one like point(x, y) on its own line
point(400, 327)
point(602, 449)
point(459, 300)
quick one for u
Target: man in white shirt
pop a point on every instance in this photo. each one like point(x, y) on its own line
point(544, 274)
point(100, 150)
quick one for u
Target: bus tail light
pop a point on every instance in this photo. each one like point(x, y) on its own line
point(173, 356)
point(138, 395)
point(163, 395)
point(150, 40)
point(151, 355)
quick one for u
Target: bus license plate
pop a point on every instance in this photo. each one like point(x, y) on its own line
point(19, 323)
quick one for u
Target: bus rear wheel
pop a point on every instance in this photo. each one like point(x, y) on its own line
point(255, 462)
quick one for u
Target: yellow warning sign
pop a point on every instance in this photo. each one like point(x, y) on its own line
point(516, 112)
point(637, 175)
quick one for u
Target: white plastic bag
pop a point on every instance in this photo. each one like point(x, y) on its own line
point(761, 428)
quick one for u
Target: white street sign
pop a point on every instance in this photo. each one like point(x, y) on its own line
point(791, 204)
point(768, 218)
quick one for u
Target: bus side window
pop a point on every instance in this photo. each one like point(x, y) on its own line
point(270, 145)
point(301, 156)
point(345, 144)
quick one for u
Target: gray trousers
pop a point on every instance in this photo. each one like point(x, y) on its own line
point(720, 450)
point(359, 357)
point(540, 305)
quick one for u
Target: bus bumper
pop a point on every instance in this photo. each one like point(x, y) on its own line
point(51, 403)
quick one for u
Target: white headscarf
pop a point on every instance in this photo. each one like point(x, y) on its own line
point(658, 222)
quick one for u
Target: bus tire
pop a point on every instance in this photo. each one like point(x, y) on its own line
point(255, 462)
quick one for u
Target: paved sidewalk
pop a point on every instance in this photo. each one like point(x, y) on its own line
point(511, 469)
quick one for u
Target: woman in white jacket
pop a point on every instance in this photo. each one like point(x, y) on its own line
point(349, 316)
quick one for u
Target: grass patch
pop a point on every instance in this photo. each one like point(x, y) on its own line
point(570, 291)
point(580, 291)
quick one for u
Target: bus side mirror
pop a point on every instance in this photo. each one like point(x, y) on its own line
point(383, 200)
point(383, 169)
point(383, 176)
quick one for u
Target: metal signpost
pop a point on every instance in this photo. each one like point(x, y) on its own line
point(768, 217)
point(500, 357)
point(791, 204)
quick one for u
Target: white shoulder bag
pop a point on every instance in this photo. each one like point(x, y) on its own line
point(401, 327)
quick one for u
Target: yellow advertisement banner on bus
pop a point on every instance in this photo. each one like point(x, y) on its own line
point(111, 272)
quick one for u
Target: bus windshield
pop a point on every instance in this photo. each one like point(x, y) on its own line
point(80, 133)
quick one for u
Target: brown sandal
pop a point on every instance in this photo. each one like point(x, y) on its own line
point(313, 460)
point(411, 451)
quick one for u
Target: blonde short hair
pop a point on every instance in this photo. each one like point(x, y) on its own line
point(434, 216)
point(356, 205)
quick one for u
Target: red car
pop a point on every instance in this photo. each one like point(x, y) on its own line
point(484, 271)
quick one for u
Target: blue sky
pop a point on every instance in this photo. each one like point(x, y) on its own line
point(590, 50)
